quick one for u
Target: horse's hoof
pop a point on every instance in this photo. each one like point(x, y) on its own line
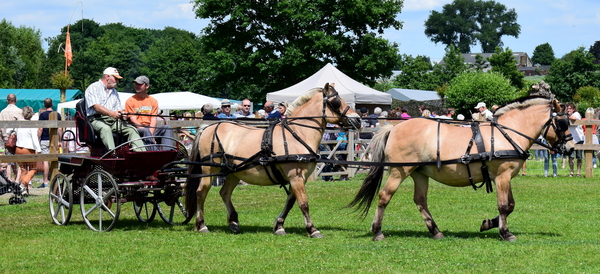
point(317, 234)
point(378, 237)
point(509, 238)
point(438, 236)
point(234, 227)
point(204, 230)
point(486, 225)
point(280, 232)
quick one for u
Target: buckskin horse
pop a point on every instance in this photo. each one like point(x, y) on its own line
point(282, 154)
point(461, 156)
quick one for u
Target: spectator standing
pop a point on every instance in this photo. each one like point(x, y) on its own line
point(404, 114)
point(104, 111)
point(10, 113)
point(270, 111)
point(578, 138)
point(226, 110)
point(366, 122)
point(142, 103)
point(282, 108)
point(44, 137)
point(245, 111)
point(27, 143)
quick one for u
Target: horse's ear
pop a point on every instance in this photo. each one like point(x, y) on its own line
point(326, 89)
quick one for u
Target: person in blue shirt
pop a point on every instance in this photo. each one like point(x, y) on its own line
point(271, 111)
point(226, 110)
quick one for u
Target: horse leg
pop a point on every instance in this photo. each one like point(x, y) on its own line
point(231, 183)
point(420, 199)
point(201, 193)
point(397, 175)
point(299, 191)
point(289, 203)
point(506, 205)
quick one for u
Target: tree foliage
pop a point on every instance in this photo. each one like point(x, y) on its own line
point(595, 51)
point(463, 23)
point(503, 62)
point(255, 47)
point(22, 56)
point(469, 88)
point(543, 54)
point(576, 69)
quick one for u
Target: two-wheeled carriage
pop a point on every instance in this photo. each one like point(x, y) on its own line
point(101, 182)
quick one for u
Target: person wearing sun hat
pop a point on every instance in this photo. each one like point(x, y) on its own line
point(484, 112)
point(226, 110)
point(104, 110)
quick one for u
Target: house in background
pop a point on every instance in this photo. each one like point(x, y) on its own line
point(521, 59)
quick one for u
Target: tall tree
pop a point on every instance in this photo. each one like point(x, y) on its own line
point(574, 70)
point(595, 50)
point(22, 56)
point(260, 46)
point(543, 54)
point(454, 64)
point(503, 62)
point(415, 73)
point(463, 23)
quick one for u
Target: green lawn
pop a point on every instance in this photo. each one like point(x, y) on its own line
point(555, 221)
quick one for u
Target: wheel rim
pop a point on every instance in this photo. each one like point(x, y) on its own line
point(145, 211)
point(100, 201)
point(60, 199)
point(175, 214)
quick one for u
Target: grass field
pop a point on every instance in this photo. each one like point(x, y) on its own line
point(555, 221)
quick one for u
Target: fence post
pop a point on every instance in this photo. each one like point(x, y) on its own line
point(54, 139)
point(589, 168)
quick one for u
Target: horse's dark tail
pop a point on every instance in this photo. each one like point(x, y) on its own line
point(372, 182)
point(192, 182)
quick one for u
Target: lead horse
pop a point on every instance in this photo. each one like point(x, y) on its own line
point(284, 153)
point(497, 156)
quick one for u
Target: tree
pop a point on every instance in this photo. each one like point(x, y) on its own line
point(576, 69)
point(415, 73)
point(465, 22)
point(503, 62)
point(469, 88)
point(595, 50)
point(22, 56)
point(260, 46)
point(543, 55)
point(454, 64)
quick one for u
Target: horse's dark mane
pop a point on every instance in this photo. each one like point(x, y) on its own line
point(522, 103)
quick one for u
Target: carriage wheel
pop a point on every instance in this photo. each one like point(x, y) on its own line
point(145, 211)
point(100, 201)
point(175, 213)
point(60, 199)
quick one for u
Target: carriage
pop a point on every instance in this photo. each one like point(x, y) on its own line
point(101, 182)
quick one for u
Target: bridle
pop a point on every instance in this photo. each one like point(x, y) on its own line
point(560, 126)
point(334, 102)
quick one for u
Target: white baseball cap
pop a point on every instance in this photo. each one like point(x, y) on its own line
point(112, 71)
point(480, 104)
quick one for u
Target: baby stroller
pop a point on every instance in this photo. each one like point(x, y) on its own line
point(7, 186)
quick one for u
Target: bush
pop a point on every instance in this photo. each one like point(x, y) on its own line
point(469, 88)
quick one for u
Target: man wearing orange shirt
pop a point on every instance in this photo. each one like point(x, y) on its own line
point(147, 106)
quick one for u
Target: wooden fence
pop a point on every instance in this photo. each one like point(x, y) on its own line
point(355, 146)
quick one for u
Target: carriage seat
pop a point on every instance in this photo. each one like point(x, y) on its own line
point(86, 134)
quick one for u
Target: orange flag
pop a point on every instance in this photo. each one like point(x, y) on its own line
point(68, 51)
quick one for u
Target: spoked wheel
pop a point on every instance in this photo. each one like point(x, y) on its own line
point(145, 211)
point(60, 199)
point(173, 211)
point(100, 201)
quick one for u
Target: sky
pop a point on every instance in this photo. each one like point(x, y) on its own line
point(564, 24)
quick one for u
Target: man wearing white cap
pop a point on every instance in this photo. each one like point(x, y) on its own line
point(484, 112)
point(104, 110)
point(144, 104)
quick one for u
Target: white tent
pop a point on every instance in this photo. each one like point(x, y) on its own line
point(123, 96)
point(413, 94)
point(184, 100)
point(349, 89)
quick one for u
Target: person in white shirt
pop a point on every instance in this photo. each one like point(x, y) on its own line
point(27, 143)
point(578, 138)
point(484, 112)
